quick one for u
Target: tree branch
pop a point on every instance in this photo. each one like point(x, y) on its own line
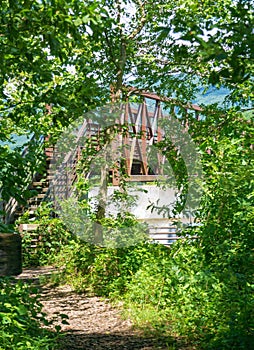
point(137, 30)
point(109, 50)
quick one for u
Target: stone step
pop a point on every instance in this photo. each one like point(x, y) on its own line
point(38, 184)
point(40, 196)
point(27, 227)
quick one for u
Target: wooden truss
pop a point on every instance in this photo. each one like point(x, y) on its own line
point(144, 130)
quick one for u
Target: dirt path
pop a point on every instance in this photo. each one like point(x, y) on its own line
point(93, 322)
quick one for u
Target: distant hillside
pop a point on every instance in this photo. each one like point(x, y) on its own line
point(212, 95)
point(16, 141)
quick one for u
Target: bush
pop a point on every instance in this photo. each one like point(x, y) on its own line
point(39, 247)
point(51, 236)
point(101, 270)
point(21, 319)
point(214, 308)
point(175, 290)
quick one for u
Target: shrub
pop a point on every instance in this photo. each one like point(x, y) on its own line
point(22, 319)
point(213, 307)
point(51, 235)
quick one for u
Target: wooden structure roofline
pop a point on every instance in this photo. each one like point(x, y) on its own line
point(156, 97)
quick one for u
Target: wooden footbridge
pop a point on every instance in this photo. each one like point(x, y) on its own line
point(144, 130)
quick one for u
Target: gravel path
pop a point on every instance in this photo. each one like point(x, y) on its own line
point(93, 323)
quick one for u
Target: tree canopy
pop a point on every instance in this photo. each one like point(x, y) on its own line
point(68, 53)
point(74, 55)
point(61, 58)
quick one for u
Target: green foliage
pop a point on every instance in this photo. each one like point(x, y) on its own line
point(22, 166)
point(4, 228)
point(212, 308)
point(21, 319)
point(205, 288)
point(214, 42)
point(40, 41)
point(103, 270)
point(51, 236)
point(39, 247)
point(68, 54)
point(120, 227)
point(171, 290)
point(199, 289)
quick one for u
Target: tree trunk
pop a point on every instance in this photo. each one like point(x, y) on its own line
point(10, 254)
point(116, 96)
point(102, 202)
